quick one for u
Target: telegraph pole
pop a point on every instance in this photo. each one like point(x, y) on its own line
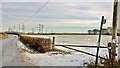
point(114, 32)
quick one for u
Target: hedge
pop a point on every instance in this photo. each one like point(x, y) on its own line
point(41, 45)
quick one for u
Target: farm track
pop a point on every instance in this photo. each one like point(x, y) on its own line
point(11, 56)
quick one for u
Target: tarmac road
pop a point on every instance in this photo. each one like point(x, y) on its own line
point(10, 54)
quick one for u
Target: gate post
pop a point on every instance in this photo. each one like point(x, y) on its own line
point(114, 32)
point(53, 43)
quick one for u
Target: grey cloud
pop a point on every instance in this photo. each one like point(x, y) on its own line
point(58, 10)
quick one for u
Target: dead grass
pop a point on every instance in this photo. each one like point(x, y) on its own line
point(3, 36)
point(41, 45)
point(103, 64)
point(58, 51)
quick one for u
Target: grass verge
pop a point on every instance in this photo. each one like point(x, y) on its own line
point(3, 36)
point(103, 64)
point(41, 45)
point(58, 51)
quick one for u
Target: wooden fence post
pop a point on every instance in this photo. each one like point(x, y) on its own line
point(53, 43)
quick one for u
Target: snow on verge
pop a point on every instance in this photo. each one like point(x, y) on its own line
point(50, 59)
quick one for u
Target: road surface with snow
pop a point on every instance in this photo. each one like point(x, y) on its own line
point(11, 56)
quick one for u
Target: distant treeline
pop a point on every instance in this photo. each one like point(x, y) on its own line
point(89, 33)
point(104, 31)
point(68, 34)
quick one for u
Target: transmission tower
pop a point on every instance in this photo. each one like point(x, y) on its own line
point(19, 28)
point(23, 28)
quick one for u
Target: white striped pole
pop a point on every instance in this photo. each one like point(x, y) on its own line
point(119, 31)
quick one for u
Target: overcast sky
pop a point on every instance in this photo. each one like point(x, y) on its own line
point(56, 14)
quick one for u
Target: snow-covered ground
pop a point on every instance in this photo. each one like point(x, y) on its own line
point(12, 55)
point(41, 36)
point(52, 59)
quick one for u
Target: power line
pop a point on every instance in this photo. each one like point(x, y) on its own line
point(37, 11)
point(32, 14)
point(19, 27)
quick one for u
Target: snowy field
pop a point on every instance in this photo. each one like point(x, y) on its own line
point(77, 39)
point(52, 59)
point(45, 59)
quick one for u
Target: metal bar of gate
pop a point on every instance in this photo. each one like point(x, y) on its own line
point(83, 46)
point(83, 52)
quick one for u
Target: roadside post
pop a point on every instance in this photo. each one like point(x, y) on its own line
point(53, 43)
point(114, 32)
point(103, 21)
